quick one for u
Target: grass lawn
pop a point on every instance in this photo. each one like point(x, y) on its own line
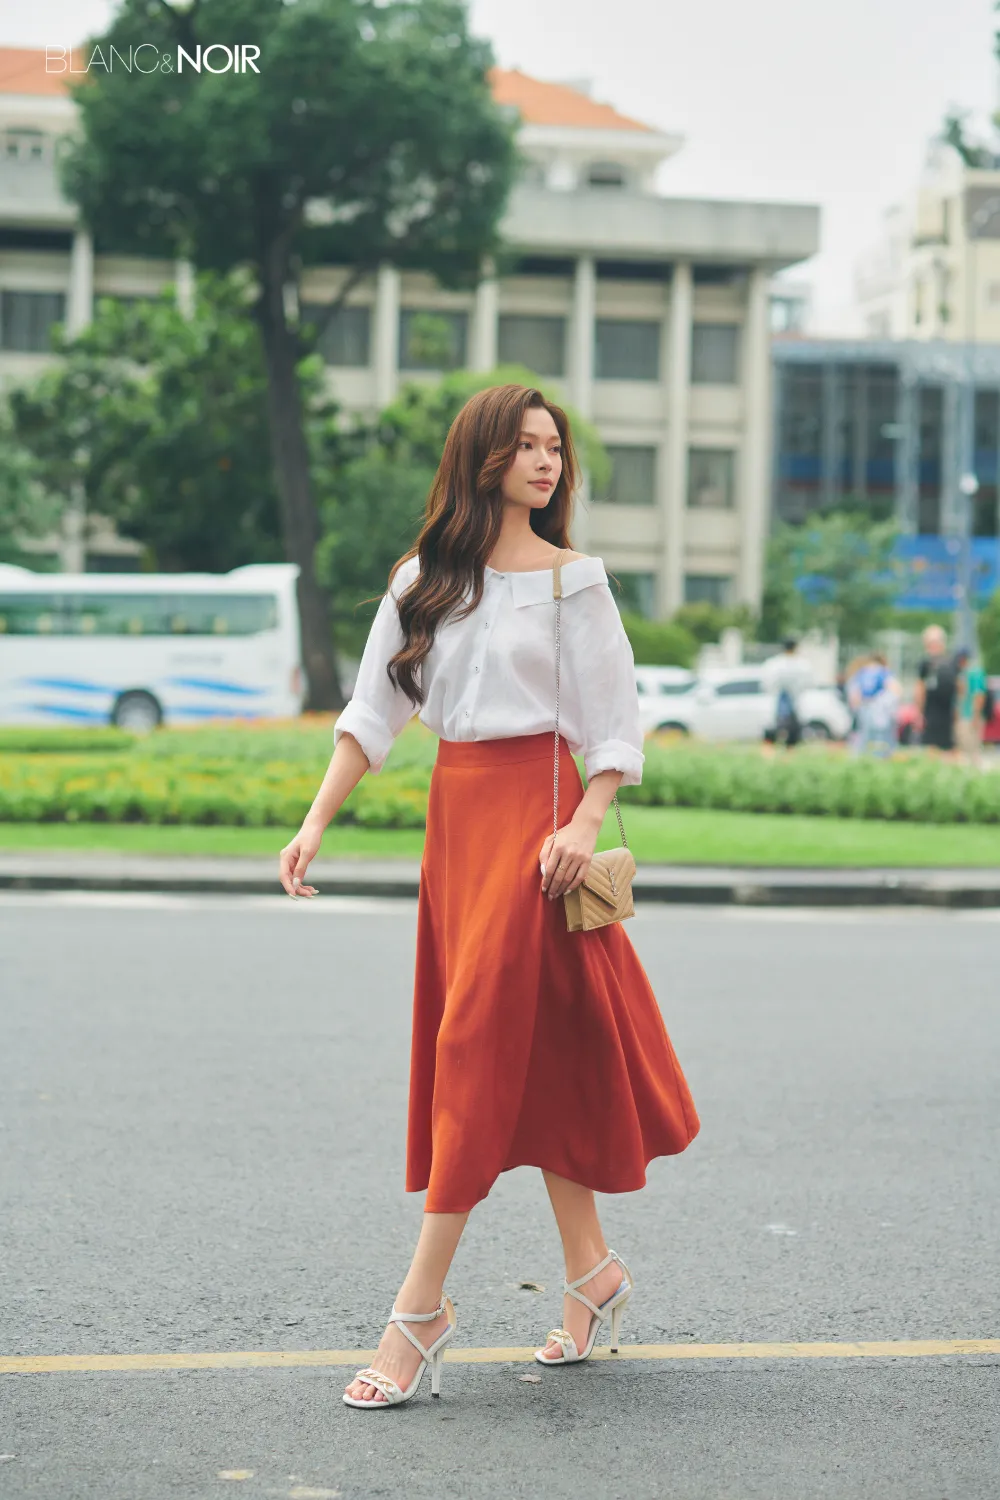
point(661, 835)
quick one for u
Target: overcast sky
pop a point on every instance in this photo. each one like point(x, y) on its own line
point(786, 100)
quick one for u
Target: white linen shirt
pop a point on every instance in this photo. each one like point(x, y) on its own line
point(492, 675)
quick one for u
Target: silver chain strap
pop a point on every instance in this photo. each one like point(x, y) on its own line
point(555, 774)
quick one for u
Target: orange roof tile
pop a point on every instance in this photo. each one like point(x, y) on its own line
point(542, 103)
point(22, 71)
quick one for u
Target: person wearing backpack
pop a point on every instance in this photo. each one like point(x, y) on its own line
point(936, 691)
point(974, 699)
point(873, 694)
point(786, 675)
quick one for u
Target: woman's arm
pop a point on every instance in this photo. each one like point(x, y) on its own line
point(347, 766)
point(363, 735)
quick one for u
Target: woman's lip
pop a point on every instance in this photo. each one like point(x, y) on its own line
point(541, 484)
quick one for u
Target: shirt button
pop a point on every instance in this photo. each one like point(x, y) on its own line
point(466, 713)
point(475, 669)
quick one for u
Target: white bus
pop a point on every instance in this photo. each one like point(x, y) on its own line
point(142, 649)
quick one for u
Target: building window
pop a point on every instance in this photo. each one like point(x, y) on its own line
point(710, 478)
point(626, 349)
point(715, 353)
point(23, 144)
point(27, 317)
point(635, 593)
point(346, 338)
point(708, 588)
point(606, 174)
point(539, 343)
point(633, 476)
point(534, 174)
point(432, 340)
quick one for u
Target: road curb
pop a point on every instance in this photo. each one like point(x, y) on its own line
point(703, 887)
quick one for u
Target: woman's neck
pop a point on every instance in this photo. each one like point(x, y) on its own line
point(518, 547)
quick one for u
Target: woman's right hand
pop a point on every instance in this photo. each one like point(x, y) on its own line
point(295, 858)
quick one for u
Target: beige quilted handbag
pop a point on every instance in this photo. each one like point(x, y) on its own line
point(606, 893)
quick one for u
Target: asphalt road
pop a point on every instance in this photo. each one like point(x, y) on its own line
point(202, 1116)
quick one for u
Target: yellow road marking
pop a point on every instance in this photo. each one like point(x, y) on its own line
point(292, 1358)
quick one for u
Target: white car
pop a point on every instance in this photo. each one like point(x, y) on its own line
point(732, 703)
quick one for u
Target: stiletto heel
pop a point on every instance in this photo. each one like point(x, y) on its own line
point(433, 1356)
point(614, 1307)
point(616, 1318)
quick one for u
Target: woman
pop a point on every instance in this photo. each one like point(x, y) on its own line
point(531, 1045)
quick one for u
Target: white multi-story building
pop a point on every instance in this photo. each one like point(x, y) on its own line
point(935, 274)
point(649, 314)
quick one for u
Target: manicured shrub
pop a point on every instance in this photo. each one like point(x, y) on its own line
point(267, 776)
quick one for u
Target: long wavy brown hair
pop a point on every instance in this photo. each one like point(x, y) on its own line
point(463, 515)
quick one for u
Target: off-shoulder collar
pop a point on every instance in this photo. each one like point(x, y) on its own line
point(535, 587)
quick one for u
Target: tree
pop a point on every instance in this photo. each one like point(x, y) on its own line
point(836, 572)
point(368, 134)
point(161, 419)
point(989, 633)
point(28, 507)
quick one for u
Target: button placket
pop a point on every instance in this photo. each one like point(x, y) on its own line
point(477, 666)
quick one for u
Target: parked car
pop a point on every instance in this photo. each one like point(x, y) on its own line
point(666, 682)
point(732, 703)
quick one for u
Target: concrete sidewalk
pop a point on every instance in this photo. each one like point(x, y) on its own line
point(709, 885)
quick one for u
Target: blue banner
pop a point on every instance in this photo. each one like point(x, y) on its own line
point(931, 567)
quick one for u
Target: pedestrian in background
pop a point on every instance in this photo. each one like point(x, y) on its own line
point(786, 675)
point(531, 1045)
point(936, 691)
point(972, 696)
point(873, 694)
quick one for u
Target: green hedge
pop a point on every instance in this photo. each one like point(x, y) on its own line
point(818, 782)
point(43, 741)
point(268, 776)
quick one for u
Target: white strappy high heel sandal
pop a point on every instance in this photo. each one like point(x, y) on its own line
point(433, 1356)
point(615, 1306)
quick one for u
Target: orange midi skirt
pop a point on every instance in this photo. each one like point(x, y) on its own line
point(532, 1045)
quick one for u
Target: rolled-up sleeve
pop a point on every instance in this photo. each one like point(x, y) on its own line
point(378, 711)
point(604, 673)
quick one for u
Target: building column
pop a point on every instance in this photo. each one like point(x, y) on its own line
point(678, 398)
point(907, 449)
point(184, 288)
point(484, 322)
point(386, 335)
point(80, 302)
point(753, 482)
point(582, 333)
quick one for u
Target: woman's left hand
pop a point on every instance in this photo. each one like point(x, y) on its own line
point(565, 858)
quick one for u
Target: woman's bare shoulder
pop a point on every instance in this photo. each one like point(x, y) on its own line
point(570, 556)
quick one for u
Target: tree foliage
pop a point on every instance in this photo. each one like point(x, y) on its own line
point(989, 633)
point(31, 503)
point(836, 573)
point(368, 135)
point(161, 417)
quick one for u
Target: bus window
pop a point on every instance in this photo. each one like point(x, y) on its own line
point(137, 614)
point(32, 614)
point(171, 614)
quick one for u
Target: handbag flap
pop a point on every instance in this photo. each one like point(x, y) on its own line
point(616, 864)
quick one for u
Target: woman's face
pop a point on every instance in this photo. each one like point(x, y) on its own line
point(537, 465)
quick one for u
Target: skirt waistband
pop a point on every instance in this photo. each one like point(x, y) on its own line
point(516, 747)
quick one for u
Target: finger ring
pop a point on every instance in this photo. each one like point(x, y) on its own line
point(296, 880)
